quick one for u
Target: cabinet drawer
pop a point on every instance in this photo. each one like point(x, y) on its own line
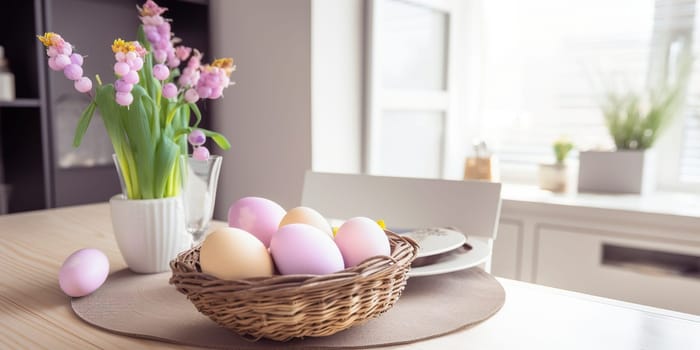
point(506, 250)
point(575, 260)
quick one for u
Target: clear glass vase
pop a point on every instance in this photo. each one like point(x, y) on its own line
point(200, 179)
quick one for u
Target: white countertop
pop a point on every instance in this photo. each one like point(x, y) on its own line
point(664, 203)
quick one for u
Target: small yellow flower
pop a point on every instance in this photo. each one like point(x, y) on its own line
point(335, 230)
point(381, 224)
point(224, 63)
point(120, 45)
point(49, 39)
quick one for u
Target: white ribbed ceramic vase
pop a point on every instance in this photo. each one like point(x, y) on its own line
point(149, 232)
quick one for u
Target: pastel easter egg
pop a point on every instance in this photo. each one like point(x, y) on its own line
point(305, 215)
point(83, 272)
point(304, 249)
point(361, 238)
point(259, 216)
point(230, 253)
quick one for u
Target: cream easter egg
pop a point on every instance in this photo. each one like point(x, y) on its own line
point(361, 238)
point(230, 253)
point(305, 215)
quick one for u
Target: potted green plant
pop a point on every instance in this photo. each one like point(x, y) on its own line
point(553, 177)
point(635, 120)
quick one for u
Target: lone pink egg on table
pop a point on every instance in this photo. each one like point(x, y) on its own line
point(83, 272)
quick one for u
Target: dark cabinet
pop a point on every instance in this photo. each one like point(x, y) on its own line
point(37, 161)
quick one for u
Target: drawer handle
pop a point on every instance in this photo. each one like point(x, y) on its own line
point(651, 262)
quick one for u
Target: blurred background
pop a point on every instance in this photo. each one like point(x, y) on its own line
point(516, 91)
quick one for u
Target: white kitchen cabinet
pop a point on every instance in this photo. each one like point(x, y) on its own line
point(641, 249)
point(506, 250)
point(573, 258)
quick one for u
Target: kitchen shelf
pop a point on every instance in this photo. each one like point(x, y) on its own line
point(36, 129)
point(21, 103)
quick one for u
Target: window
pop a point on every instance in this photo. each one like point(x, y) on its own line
point(541, 67)
point(410, 87)
point(541, 58)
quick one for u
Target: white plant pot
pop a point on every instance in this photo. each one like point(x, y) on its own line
point(553, 177)
point(149, 232)
point(617, 171)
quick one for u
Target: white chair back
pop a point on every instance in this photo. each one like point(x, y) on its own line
point(472, 207)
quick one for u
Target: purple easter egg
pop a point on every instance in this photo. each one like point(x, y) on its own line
point(259, 216)
point(83, 272)
point(304, 249)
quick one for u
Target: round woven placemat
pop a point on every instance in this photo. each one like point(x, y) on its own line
point(146, 306)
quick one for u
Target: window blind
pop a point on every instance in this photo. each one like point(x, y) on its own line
point(546, 62)
point(687, 19)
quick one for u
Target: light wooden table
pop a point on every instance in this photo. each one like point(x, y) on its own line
point(34, 313)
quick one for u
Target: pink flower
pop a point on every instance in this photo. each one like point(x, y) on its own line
point(61, 61)
point(214, 78)
point(183, 52)
point(152, 21)
point(191, 96)
point(150, 8)
point(73, 72)
point(140, 50)
point(61, 57)
point(129, 56)
point(83, 84)
point(190, 75)
point(200, 153)
point(169, 90)
point(124, 98)
point(161, 72)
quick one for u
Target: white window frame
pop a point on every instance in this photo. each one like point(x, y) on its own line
point(669, 147)
point(669, 150)
point(378, 98)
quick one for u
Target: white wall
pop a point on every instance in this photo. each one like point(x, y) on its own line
point(336, 85)
point(267, 114)
point(297, 102)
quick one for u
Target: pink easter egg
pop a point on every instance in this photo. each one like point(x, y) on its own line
point(83, 272)
point(256, 215)
point(361, 238)
point(304, 249)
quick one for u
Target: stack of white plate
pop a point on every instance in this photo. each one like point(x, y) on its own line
point(444, 250)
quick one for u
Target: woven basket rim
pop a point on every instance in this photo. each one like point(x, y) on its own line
point(364, 270)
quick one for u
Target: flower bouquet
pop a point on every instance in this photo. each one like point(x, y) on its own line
point(147, 110)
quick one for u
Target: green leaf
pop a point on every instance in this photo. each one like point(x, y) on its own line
point(181, 132)
point(174, 73)
point(165, 157)
point(219, 139)
point(137, 125)
point(84, 123)
point(197, 113)
point(141, 37)
point(112, 115)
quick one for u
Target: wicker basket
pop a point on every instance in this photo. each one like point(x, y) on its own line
point(293, 306)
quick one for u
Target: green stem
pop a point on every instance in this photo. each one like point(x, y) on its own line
point(171, 113)
point(135, 193)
